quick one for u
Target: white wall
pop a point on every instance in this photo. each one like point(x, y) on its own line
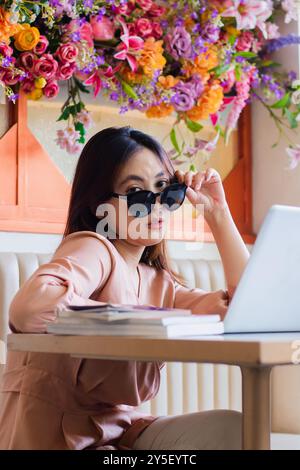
point(272, 182)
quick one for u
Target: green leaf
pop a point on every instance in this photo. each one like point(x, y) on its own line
point(64, 115)
point(291, 118)
point(81, 86)
point(174, 140)
point(231, 39)
point(129, 90)
point(247, 55)
point(220, 69)
point(192, 167)
point(79, 106)
point(268, 63)
point(193, 126)
point(283, 102)
point(238, 73)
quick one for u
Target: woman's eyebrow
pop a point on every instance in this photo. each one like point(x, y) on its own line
point(139, 178)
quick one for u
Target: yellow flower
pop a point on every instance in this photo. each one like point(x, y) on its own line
point(40, 82)
point(35, 94)
point(161, 110)
point(151, 57)
point(7, 29)
point(209, 103)
point(27, 38)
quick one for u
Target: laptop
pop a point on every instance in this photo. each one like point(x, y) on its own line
point(267, 298)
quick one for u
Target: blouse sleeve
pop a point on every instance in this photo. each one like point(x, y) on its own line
point(80, 265)
point(197, 300)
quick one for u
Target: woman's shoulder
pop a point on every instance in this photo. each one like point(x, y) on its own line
point(88, 243)
point(85, 236)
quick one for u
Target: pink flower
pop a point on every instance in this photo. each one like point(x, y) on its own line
point(67, 52)
point(245, 41)
point(95, 79)
point(41, 46)
point(294, 156)
point(51, 89)
point(157, 10)
point(28, 85)
point(5, 50)
point(128, 47)
point(103, 29)
point(86, 34)
point(145, 4)
point(239, 102)
point(8, 76)
point(46, 66)
point(27, 59)
point(85, 31)
point(291, 8)
point(250, 13)
point(157, 31)
point(143, 27)
point(67, 140)
point(272, 30)
point(125, 9)
point(65, 70)
point(84, 118)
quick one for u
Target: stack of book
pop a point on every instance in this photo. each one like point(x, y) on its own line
point(133, 320)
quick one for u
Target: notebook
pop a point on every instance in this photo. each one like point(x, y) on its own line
point(133, 320)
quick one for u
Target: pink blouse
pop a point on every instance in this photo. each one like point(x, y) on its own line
point(54, 401)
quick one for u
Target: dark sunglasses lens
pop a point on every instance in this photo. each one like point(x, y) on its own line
point(139, 203)
point(173, 196)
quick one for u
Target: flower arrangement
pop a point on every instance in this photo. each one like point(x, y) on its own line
point(199, 60)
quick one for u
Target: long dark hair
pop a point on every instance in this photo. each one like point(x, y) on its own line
point(98, 164)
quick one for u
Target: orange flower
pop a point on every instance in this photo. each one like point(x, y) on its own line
point(7, 29)
point(189, 24)
point(161, 110)
point(207, 60)
point(209, 103)
point(151, 57)
point(202, 64)
point(27, 38)
point(130, 76)
point(168, 81)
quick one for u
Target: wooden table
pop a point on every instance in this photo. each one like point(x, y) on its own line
point(255, 354)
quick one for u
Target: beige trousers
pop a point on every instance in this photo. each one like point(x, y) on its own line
point(205, 430)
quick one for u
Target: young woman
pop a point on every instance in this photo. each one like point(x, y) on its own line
point(52, 401)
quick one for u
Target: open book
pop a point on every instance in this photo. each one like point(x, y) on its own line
point(133, 320)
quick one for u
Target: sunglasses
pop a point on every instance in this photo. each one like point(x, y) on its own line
point(140, 203)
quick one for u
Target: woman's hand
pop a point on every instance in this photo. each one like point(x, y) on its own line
point(204, 188)
point(216, 302)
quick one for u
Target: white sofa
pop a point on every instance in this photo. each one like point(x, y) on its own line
point(185, 387)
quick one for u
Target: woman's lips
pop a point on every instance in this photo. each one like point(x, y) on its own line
point(156, 224)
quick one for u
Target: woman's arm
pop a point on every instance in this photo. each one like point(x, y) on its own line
point(205, 191)
point(79, 266)
point(232, 249)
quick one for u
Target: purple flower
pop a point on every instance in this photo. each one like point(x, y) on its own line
point(179, 43)
point(276, 44)
point(186, 93)
point(210, 32)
